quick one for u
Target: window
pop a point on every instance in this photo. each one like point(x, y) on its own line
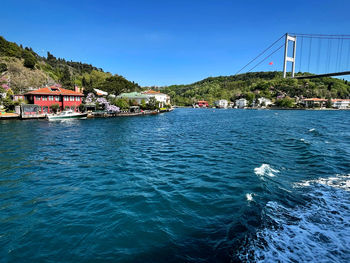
point(50, 98)
point(77, 98)
point(57, 98)
point(37, 97)
point(44, 98)
point(65, 98)
point(71, 98)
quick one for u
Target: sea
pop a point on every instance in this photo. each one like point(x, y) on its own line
point(192, 185)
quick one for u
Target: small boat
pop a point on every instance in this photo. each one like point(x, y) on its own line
point(66, 115)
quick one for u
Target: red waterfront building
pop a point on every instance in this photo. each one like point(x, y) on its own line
point(46, 97)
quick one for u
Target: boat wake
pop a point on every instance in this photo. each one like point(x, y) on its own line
point(316, 232)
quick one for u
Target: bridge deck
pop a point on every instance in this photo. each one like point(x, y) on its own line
point(323, 75)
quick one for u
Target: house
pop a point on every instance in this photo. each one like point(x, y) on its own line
point(241, 103)
point(202, 104)
point(314, 102)
point(101, 93)
point(136, 96)
point(48, 96)
point(264, 102)
point(221, 104)
point(341, 103)
point(162, 98)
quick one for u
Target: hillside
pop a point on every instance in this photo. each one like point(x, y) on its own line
point(256, 84)
point(22, 68)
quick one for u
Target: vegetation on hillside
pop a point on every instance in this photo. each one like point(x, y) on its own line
point(24, 69)
point(254, 85)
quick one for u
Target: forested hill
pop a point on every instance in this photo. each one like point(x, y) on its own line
point(257, 84)
point(22, 68)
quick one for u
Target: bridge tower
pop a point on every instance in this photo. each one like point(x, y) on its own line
point(286, 57)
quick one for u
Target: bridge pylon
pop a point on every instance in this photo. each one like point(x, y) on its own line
point(286, 57)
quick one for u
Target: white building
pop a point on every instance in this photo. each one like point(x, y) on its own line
point(162, 98)
point(241, 103)
point(221, 104)
point(341, 103)
point(101, 92)
point(264, 102)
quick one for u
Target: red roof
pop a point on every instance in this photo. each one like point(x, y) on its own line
point(315, 99)
point(151, 92)
point(53, 90)
point(340, 99)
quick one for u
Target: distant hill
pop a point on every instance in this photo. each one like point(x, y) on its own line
point(257, 84)
point(22, 68)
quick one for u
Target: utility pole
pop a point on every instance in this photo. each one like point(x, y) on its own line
point(286, 57)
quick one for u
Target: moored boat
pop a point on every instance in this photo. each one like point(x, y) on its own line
point(66, 115)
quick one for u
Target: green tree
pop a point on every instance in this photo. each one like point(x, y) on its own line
point(82, 108)
point(329, 103)
point(285, 103)
point(152, 103)
point(66, 78)
point(29, 59)
point(143, 104)
point(122, 104)
point(3, 67)
point(54, 107)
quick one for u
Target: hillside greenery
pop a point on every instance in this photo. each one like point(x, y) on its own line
point(23, 68)
point(254, 85)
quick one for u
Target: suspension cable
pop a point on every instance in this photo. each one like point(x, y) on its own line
point(308, 64)
point(260, 54)
point(318, 54)
point(301, 53)
point(266, 58)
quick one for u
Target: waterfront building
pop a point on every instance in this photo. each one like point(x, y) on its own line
point(264, 102)
point(162, 98)
point(221, 104)
point(241, 103)
point(48, 96)
point(314, 102)
point(341, 103)
point(136, 96)
point(202, 104)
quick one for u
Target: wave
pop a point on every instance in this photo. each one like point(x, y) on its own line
point(264, 170)
point(249, 197)
point(318, 231)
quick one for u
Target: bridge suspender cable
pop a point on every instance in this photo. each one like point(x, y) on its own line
point(318, 54)
point(348, 57)
point(308, 63)
point(266, 58)
point(260, 54)
point(301, 53)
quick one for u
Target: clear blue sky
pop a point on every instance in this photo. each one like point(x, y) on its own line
point(166, 42)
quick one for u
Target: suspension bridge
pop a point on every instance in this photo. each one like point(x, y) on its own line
point(306, 56)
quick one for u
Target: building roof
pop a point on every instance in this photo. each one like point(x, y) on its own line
point(315, 99)
point(53, 90)
point(101, 92)
point(340, 100)
point(133, 95)
point(151, 92)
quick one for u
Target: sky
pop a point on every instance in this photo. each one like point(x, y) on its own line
point(170, 42)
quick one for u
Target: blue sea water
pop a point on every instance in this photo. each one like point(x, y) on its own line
point(193, 185)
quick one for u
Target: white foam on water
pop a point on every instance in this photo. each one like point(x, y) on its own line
point(249, 197)
point(338, 181)
point(264, 170)
point(316, 232)
point(311, 130)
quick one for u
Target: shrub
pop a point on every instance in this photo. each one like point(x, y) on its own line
point(55, 107)
point(3, 67)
